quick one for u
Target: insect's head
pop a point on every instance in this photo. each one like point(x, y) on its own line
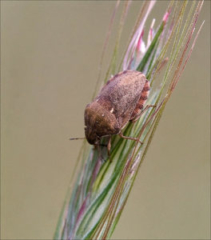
point(98, 123)
point(91, 136)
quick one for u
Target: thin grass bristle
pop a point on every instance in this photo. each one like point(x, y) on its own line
point(101, 188)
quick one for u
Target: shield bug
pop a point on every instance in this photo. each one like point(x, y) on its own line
point(121, 100)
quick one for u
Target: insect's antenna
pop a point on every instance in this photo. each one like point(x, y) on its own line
point(76, 138)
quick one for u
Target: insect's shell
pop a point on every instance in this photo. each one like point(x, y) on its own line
point(119, 101)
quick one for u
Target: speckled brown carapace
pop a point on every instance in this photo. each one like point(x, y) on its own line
point(119, 101)
point(140, 105)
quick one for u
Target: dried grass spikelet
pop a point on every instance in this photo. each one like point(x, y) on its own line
point(101, 188)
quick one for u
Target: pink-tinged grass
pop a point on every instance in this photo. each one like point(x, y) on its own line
point(102, 188)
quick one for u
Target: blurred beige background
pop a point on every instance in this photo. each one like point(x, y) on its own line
point(50, 52)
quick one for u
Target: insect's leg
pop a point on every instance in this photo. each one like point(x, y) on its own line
point(138, 116)
point(97, 148)
point(130, 138)
point(109, 146)
point(147, 107)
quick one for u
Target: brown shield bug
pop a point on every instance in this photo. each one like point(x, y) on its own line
point(121, 100)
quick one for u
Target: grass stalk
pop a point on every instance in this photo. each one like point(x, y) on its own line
point(102, 187)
